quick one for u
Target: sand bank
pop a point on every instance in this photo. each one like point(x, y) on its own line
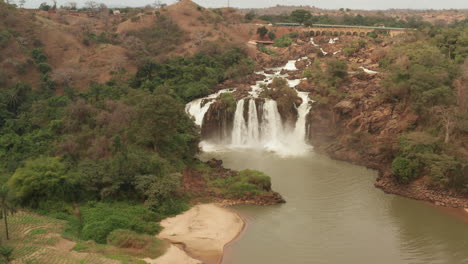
point(173, 255)
point(202, 232)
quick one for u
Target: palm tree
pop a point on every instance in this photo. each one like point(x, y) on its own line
point(6, 206)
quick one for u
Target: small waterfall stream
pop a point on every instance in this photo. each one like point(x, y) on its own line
point(240, 127)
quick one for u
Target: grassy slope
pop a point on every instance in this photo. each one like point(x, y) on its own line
point(37, 240)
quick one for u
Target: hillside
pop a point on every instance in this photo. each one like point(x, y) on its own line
point(82, 49)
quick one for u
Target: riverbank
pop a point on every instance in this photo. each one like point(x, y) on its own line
point(202, 232)
point(418, 190)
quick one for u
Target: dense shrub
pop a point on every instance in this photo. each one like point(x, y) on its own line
point(194, 77)
point(405, 169)
point(423, 155)
point(41, 179)
point(282, 42)
point(246, 183)
point(411, 70)
point(44, 67)
point(38, 55)
point(265, 50)
point(100, 219)
point(228, 101)
point(4, 38)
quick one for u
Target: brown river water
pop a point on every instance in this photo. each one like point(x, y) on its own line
point(335, 215)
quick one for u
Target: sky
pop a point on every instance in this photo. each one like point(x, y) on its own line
point(330, 4)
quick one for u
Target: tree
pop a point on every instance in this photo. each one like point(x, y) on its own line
point(72, 5)
point(250, 16)
point(7, 206)
point(262, 31)
point(300, 16)
point(44, 6)
point(21, 3)
point(42, 179)
point(92, 5)
point(272, 35)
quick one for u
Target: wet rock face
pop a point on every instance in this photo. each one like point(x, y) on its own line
point(217, 124)
point(286, 99)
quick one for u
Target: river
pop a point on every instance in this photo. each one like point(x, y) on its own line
point(335, 215)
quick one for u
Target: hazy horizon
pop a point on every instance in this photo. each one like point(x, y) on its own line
point(352, 4)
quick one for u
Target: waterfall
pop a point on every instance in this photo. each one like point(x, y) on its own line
point(253, 126)
point(239, 128)
point(198, 111)
point(291, 66)
point(303, 110)
point(272, 126)
point(260, 126)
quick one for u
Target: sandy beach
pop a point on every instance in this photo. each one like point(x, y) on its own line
point(173, 255)
point(202, 232)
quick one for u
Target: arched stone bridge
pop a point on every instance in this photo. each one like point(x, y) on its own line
point(340, 30)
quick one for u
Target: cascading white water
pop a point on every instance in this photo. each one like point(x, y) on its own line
point(303, 110)
point(272, 126)
point(198, 111)
point(249, 130)
point(239, 128)
point(252, 126)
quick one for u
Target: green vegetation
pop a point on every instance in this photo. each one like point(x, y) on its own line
point(195, 77)
point(283, 41)
point(262, 32)
point(101, 219)
point(422, 154)
point(305, 17)
point(163, 37)
point(265, 50)
point(411, 68)
point(246, 183)
point(4, 38)
point(354, 46)
point(228, 101)
point(107, 163)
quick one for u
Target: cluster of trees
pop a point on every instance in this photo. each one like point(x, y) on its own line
point(163, 37)
point(307, 18)
point(195, 77)
point(429, 74)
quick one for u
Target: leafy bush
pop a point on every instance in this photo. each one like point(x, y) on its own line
point(246, 183)
point(406, 170)
point(282, 42)
point(265, 50)
point(271, 35)
point(262, 32)
point(44, 67)
point(122, 238)
point(41, 179)
point(412, 68)
point(38, 55)
point(100, 219)
point(257, 178)
point(4, 38)
point(422, 155)
point(228, 101)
